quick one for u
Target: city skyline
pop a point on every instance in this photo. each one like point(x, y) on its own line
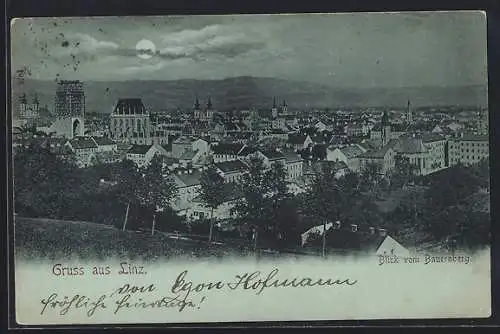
point(365, 48)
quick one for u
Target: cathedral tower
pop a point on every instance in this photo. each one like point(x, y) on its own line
point(386, 129)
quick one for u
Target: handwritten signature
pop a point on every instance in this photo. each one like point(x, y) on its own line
point(130, 296)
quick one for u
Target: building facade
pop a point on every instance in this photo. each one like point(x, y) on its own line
point(130, 122)
point(468, 149)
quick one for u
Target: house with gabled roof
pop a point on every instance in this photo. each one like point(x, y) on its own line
point(143, 154)
point(270, 156)
point(413, 149)
point(188, 184)
point(383, 158)
point(232, 171)
point(105, 144)
point(293, 166)
point(347, 154)
point(200, 210)
point(342, 238)
point(298, 142)
point(226, 151)
point(84, 149)
point(186, 143)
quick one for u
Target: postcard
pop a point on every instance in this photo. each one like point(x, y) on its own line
point(250, 168)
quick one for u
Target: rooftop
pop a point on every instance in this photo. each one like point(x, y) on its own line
point(103, 141)
point(408, 145)
point(247, 150)
point(273, 155)
point(130, 106)
point(231, 166)
point(188, 155)
point(296, 139)
point(82, 143)
point(187, 178)
point(292, 157)
point(228, 148)
point(139, 149)
point(351, 151)
point(376, 154)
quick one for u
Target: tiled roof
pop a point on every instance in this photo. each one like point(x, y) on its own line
point(247, 150)
point(431, 137)
point(139, 149)
point(169, 160)
point(351, 151)
point(292, 157)
point(408, 145)
point(82, 143)
point(187, 179)
point(129, 106)
point(184, 140)
point(376, 154)
point(296, 139)
point(273, 155)
point(231, 166)
point(103, 141)
point(227, 148)
point(188, 155)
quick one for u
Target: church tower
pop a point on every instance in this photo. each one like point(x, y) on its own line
point(409, 115)
point(284, 107)
point(23, 105)
point(36, 106)
point(196, 108)
point(274, 110)
point(386, 129)
point(209, 113)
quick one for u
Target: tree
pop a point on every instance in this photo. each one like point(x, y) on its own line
point(276, 191)
point(254, 209)
point(404, 172)
point(451, 186)
point(323, 198)
point(212, 193)
point(41, 181)
point(369, 176)
point(155, 189)
point(319, 152)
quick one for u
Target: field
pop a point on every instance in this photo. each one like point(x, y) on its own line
point(53, 239)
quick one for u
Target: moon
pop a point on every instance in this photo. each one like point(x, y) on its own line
point(145, 49)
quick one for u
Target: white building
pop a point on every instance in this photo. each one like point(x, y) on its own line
point(348, 155)
point(293, 166)
point(231, 171)
point(143, 154)
point(183, 144)
point(188, 187)
point(84, 149)
point(468, 149)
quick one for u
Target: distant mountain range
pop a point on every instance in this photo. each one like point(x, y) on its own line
point(248, 92)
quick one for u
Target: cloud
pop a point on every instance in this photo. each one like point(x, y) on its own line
point(77, 43)
point(211, 41)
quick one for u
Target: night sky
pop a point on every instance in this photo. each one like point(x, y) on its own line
point(343, 50)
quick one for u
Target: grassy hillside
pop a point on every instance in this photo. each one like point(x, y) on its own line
point(52, 239)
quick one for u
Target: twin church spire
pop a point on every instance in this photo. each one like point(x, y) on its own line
point(197, 103)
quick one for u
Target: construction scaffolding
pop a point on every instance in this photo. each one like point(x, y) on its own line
point(70, 99)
